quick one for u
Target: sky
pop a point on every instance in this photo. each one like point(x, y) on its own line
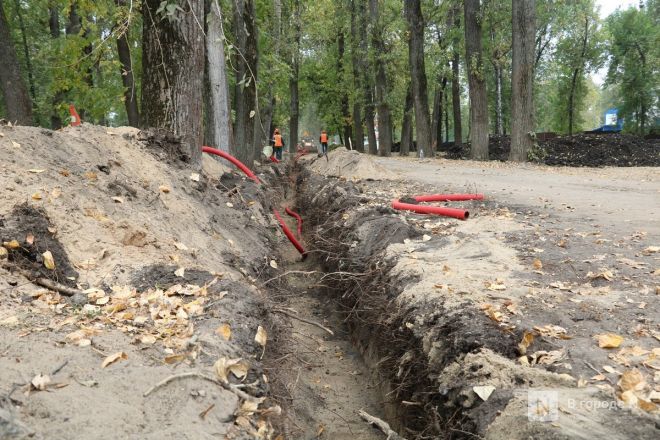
point(606, 8)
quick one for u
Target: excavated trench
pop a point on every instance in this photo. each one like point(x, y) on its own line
point(379, 356)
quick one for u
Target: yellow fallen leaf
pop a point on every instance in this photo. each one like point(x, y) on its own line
point(35, 171)
point(49, 261)
point(14, 244)
point(36, 196)
point(605, 274)
point(164, 189)
point(114, 358)
point(238, 367)
point(632, 380)
point(527, 340)
point(3, 253)
point(174, 358)
point(91, 175)
point(29, 239)
point(15, 144)
point(225, 331)
point(261, 337)
point(273, 264)
point(9, 322)
point(537, 264)
point(609, 340)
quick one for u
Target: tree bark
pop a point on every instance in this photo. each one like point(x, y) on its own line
point(477, 81)
point(522, 79)
point(358, 133)
point(293, 82)
point(14, 90)
point(456, 99)
point(262, 128)
point(407, 124)
point(345, 114)
point(382, 106)
point(367, 79)
point(499, 127)
point(413, 11)
point(576, 73)
point(217, 116)
point(173, 73)
point(54, 26)
point(130, 93)
point(26, 52)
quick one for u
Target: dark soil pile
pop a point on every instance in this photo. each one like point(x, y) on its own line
point(580, 150)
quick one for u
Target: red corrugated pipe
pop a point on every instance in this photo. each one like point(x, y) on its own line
point(437, 210)
point(274, 159)
point(233, 160)
point(289, 234)
point(75, 118)
point(298, 218)
point(448, 197)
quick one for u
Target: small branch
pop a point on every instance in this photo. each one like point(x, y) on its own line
point(380, 424)
point(291, 272)
point(599, 372)
point(307, 321)
point(229, 387)
point(57, 287)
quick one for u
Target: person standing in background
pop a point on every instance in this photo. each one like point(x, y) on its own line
point(324, 142)
point(278, 144)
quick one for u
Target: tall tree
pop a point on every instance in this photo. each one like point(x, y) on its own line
point(522, 79)
point(358, 98)
point(413, 12)
point(456, 79)
point(382, 105)
point(217, 116)
point(367, 81)
point(127, 77)
point(477, 80)
point(345, 113)
point(173, 69)
point(407, 123)
point(293, 81)
point(58, 95)
point(14, 90)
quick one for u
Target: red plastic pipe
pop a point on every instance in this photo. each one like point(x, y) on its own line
point(289, 234)
point(75, 118)
point(448, 197)
point(437, 210)
point(274, 159)
point(233, 160)
point(298, 218)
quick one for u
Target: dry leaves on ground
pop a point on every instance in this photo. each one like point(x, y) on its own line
point(609, 340)
point(114, 358)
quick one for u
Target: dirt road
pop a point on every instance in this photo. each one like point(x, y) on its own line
point(622, 200)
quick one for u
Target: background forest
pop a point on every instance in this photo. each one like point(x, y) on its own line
point(365, 70)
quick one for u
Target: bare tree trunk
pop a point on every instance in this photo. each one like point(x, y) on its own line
point(14, 90)
point(26, 52)
point(576, 72)
point(407, 123)
point(456, 99)
point(358, 133)
point(217, 116)
point(293, 82)
point(345, 114)
point(499, 127)
point(54, 26)
point(436, 120)
point(262, 128)
point(367, 79)
point(522, 79)
point(477, 81)
point(173, 73)
point(413, 12)
point(446, 105)
point(384, 117)
point(130, 93)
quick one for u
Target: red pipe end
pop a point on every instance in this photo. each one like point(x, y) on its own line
point(289, 234)
point(75, 118)
point(240, 165)
point(435, 210)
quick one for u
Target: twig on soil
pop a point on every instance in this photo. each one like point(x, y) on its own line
point(229, 387)
point(599, 372)
point(203, 414)
point(307, 321)
point(380, 424)
point(54, 285)
point(291, 272)
point(59, 368)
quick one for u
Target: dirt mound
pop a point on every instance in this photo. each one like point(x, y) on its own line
point(163, 259)
point(580, 150)
point(349, 164)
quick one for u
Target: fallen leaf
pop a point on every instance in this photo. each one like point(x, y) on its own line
point(484, 391)
point(632, 380)
point(273, 264)
point(599, 377)
point(114, 358)
point(148, 339)
point(36, 196)
point(3, 253)
point(49, 261)
point(225, 331)
point(118, 200)
point(11, 321)
point(562, 243)
point(180, 272)
point(230, 205)
point(604, 274)
point(91, 175)
point(40, 382)
point(609, 340)
point(164, 189)
point(194, 177)
point(14, 244)
point(261, 337)
point(537, 264)
point(35, 171)
point(180, 246)
point(223, 367)
point(527, 340)
point(174, 358)
point(651, 250)
point(15, 144)
point(65, 173)
point(29, 239)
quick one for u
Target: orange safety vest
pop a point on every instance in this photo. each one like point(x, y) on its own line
point(278, 141)
point(324, 138)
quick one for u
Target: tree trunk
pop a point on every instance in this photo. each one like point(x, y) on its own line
point(130, 93)
point(262, 127)
point(407, 124)
point(345, 115)
point(217, 117)
point(499, 127)
point(446, 106)
point(293, 81)
point(477, 81)
point(26, 52)
point(17, 99)
point(456, 99)
point(522, 79)
point(358, 133)
point(383, 108)
point(367, 79)
point(413, 11)
point(576, 72)
point(54, 26)
point(173, 73)
point(436, 119)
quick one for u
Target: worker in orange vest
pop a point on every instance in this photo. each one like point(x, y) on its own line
point(278, 144)
point(324, 142)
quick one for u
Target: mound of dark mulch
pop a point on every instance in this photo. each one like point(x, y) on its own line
point(580, 150)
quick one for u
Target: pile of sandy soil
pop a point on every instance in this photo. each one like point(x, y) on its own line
point(159, 260)
point(349, 164)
